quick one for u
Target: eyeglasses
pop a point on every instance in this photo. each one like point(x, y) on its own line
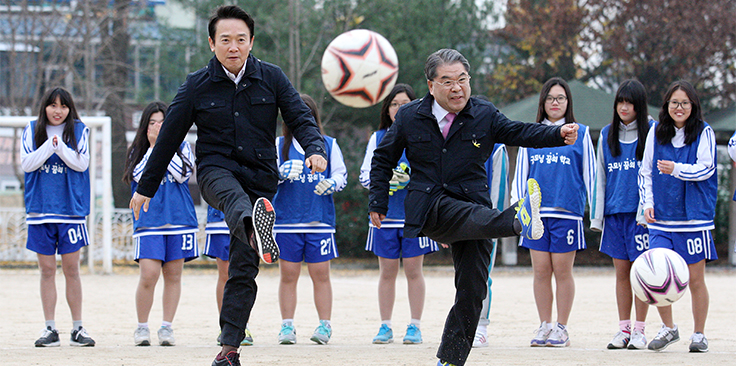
point(448, 83)
point(560, 99)
point(685, 105)
point(396, 105)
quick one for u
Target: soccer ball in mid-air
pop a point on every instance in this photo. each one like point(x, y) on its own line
point(659, 276)
point(359, 68)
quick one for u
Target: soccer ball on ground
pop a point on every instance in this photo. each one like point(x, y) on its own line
point(359, 68)
point(659, 276)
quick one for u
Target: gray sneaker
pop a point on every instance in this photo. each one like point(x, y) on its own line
point(49, 338)
point(142, 336)
point(664, 338)
point(166, 336)
point(698, 343)
point(80, 338)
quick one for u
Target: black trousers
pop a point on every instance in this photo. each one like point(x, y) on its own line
point(468, 228)
point(227, 191)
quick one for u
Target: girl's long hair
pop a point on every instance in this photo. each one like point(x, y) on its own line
point(386, 121)
point(693, 125)
point(630, 91)
point(39, 133)
point(287, 133)
point(140, 144)
point(541, 113)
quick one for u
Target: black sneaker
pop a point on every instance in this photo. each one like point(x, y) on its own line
point(263, 219)
point(231, 359)
point(80, 338)
point(49, 338)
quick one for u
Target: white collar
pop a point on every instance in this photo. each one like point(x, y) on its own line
point(438, 112)
point(233, 77)
point(547, 122)
point(630, 127)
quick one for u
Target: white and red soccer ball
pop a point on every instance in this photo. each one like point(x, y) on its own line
point(359, 68)
point(659, 276)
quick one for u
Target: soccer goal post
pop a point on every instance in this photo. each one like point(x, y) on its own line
point(102, 126)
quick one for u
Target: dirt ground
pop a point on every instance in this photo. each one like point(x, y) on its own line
point(109, 316)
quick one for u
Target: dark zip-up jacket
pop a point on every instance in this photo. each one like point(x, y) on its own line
point(455, 165)
point(236, 124)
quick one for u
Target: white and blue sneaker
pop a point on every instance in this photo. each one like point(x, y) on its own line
point(527, 212)
point(322, 334)
point(558, 337)
point(413, 335)
point(385, 335)
point(287, 335)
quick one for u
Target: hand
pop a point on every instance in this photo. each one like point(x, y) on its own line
point(291, 169)
point(569, 132)
point(55, 141)
point(666, 166)
point(444, 245)
point(317, 163)
point(649, 215)
point(325, 187)
point(376, 219)
point(136, 202)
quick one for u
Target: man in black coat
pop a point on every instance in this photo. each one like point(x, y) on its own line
point(234, 101)
point(447, 137)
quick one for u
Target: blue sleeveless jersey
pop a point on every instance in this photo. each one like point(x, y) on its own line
point(295, 201)
point(395, 201)
point(559, 171)
point(679, 200)
point(622, 172)
point(55, 188)
point(171, 205)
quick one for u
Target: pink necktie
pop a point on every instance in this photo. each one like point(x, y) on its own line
point(449, 117)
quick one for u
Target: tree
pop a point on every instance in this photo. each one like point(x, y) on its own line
point(661, 41)
point(114, 54)
point(540, 40)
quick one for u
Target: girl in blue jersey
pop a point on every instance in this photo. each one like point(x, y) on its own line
point(305, 227)
point(567, 174)
point(54, 155)
point(165, 234)
point(217, 246)
point(680, 161)
point(388, 242)
point(615, 203)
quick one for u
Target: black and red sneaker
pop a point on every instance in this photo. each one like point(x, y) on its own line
point(264, 218)
point(231, 359)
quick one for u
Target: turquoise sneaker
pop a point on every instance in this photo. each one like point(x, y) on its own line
point(440, 363)
point(287, 335)
point(413, 335)
point(385, 335)
point(322, 334)
point(527, 212)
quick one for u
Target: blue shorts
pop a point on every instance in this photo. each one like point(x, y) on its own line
point(390, 243)
point(166, 248)
point(693, 246)
point(560, 236)
point(50, 238)
point(622, 238)
point(218, 246)
point(307, 247)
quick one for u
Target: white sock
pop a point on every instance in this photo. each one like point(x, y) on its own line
point(289, 322)
point(51, 324)
point(387, 322)
point(416, 322)
point(165, 324)
point(143, 325)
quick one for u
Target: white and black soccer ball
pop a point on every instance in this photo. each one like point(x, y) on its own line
point(659, 276)
point(359, 68)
